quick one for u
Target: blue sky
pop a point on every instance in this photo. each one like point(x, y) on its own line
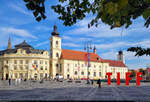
point(19, 23)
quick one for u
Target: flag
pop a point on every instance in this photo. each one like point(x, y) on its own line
point(89, 60)
point(86, 58)
point(78, 68)
point(35, 67)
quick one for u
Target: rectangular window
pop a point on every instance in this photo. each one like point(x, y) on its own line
point(99, 73)
point(75, 72)
point(41, 75)
point(27, 61)
point(26, 75)
point(26, 67)
point(45, 67)
point(88, 73)
point(16, 75)
point(94, 73)
point(7, 62)
point(15, 61)
point(41, 68)
point(35, 61)
point(21, 61)
point(41, 62)
point(45, 62)
point(21, 75)
point(15, 67)
point(82, 65)
point(82, 73)
point(68, 70)
point(75, 65)
point(21, 68)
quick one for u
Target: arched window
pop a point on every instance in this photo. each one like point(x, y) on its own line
point(76, 73)
point(57, 55)
point(56, 43)
point(57, 65)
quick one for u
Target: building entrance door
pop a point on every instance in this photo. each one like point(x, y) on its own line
point(6, 76)
point(35, 76)
point(68, 76)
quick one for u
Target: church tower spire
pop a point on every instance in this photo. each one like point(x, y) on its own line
point(94, 50)
point(9, 43)
point(55, 33)
point(120, 56)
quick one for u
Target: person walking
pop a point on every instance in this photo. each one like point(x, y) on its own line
point(9, 81)
point(19, 80)
point(99, 83)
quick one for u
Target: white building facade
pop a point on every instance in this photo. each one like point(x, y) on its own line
point(72, 64)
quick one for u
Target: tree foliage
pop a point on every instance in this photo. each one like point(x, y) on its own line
point(115, 13)
point(140, 51)
point(38, 8)
point(133, 73)
point(143, 71)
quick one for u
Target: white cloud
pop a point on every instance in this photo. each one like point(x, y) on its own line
point(44, 28)
point(102, 30)
point(111, 45)
point(131, 60)
point(106, 55)
point(18, 6)
point(19, 32)
point(70, 45)
point(67, 38)
point(42, 43)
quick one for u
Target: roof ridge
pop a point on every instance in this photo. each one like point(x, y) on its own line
point(80, 51)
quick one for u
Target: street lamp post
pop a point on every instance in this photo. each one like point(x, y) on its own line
point(87, 48)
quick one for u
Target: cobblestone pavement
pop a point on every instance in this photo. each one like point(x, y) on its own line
point(50, 90)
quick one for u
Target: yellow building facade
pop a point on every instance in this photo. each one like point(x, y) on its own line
point(24, 62)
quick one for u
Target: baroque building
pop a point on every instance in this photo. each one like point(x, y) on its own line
point(71, 63)
point(23, 62)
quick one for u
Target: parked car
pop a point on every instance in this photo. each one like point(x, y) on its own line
point(59, 77)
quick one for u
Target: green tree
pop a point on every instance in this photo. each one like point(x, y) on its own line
point(115, 13)
point(143, 71)
point(133, 73)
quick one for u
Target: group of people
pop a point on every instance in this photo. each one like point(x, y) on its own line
point(17, 81)
point(98, 82)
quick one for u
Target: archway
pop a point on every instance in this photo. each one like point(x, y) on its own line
point(7, 76)
point(35, 76)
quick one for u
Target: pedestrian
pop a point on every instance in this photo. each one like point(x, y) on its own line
point(16, 81)
point(99, 83)
point(9, 81)
point(19, 80)
point(92, 82)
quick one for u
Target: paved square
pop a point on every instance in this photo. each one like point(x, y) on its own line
point(51, 90)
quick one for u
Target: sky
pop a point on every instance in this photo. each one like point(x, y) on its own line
point(19, 23)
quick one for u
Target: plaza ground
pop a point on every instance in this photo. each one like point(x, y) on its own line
point(51, 90)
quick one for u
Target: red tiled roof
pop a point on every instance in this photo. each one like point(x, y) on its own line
point(148, 69)
point(78, 55)
point(115, 63)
